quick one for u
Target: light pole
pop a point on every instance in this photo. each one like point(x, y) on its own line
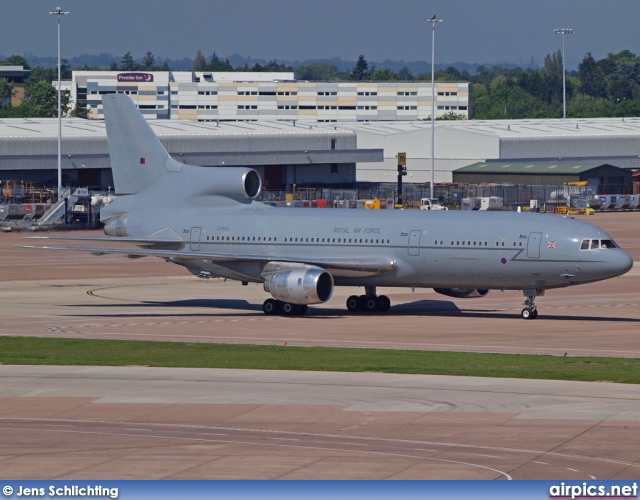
point(563, 32)
point(433, 20)
point(59, 12)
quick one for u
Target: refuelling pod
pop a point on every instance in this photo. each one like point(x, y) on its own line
point(307, 285)
point(461, 293)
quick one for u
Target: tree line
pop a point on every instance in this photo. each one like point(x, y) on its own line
point(609, 87)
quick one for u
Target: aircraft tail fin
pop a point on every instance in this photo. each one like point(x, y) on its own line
point(138, 158)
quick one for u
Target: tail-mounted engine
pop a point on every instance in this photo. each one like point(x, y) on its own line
point(311, 285)
point(461, 293)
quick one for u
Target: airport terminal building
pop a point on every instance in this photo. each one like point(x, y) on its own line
point(249, 96)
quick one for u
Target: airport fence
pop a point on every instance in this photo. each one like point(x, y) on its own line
point(548, 197)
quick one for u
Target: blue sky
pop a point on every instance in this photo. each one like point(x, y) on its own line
point(483, 31)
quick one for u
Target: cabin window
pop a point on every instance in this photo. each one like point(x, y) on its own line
point(595, 244)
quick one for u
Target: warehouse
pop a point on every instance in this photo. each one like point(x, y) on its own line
point(601, 178)
point(364, 152)
point(283, 153)
point(612, 141)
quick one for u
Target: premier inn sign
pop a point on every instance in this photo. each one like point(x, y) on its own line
point(135, 77)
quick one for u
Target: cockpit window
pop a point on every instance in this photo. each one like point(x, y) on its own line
point(593, 244)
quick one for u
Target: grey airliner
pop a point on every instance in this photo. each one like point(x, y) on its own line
point(207, 220)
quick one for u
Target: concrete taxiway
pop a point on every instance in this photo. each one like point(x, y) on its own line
point(160, 423)
point(61, 422)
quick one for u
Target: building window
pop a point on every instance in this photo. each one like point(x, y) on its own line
point(334, 168)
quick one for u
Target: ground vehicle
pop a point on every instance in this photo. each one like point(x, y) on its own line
point(431, 204)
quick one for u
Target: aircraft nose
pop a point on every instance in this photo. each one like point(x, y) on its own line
point(620, 262)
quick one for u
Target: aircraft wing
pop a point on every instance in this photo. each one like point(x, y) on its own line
point(372, 265)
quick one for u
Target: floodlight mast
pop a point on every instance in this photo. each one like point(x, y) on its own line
point(433, 20)
point(59, 12)
point(563, 32)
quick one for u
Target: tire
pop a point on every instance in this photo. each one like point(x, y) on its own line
point(534, 314)
point(303, 310)
point(270, 307)
point(527, 313)
point(289, 309)
point(371, 304)
point(353, 303)
point(383, 303)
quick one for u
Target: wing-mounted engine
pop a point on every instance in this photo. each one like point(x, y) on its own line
point(304, 285)
point(461, 293)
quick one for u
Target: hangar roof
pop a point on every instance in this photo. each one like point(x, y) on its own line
point(503, 129)
point(510, 167)
point(77, 127)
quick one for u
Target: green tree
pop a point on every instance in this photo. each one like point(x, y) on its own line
point(586, 106)
point(384, 75)
point(553, 64)
point(7, 91)
point(405, 75)
point(592, 81)
point(217, 64)
point(361, 70)
point(149, 61)
point(41, 101)
point(127, 63)
point(451, 115)
point(16, 61)
point(199, 62)
point(319, 71)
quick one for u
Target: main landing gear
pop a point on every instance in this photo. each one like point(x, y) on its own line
point(370, 302)
point(272, 307)
point(530, 311)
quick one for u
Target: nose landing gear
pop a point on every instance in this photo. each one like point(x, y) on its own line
point(530, 311)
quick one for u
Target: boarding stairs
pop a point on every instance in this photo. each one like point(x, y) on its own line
point(56, 212)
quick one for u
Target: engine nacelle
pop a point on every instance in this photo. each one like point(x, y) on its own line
point(461, 293)
point(116, 226)
point(311, 285)
point(235, 183)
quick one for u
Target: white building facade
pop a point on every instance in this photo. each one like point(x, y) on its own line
point(249, 96)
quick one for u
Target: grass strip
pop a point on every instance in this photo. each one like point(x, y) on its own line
point(89, 352)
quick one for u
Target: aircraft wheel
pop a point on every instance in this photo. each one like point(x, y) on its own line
point(534, 314)
point(353, 303)
point(529, 313)
point(383, 303)
point(270, 307)
point(302, 309)
point(371, 304)
point(289, 309)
